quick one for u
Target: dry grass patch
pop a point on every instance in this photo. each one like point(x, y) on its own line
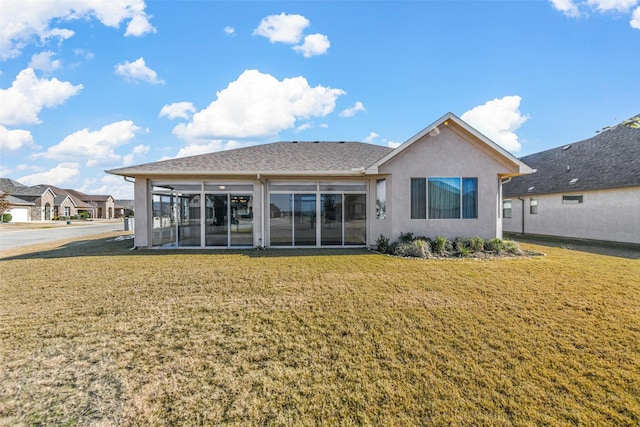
point(117, 337)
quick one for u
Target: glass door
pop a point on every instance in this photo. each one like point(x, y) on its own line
point(331, 219)
point(304, 209)
point(217, 219)
point(189, 220)
point(241, 220)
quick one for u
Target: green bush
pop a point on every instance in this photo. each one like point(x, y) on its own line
point(83, 215)
point(415, 248)
point(382, 244)
point(439, 245)
point(6, 217)
point(476, 244)
point(406, 237)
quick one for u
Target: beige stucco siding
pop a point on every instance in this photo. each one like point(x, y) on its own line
point(448, 154)
point(610, 215)
point(142, 195)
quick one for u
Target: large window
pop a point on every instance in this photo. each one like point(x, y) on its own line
point(418, 198)
point(317, 213)
point(448, 198)
point(197, 214)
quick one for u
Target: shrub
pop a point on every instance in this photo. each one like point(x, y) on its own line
point(494, 245)
point(415, 248)
point(476, 244)
point(406, 237)
point(439, 245)
point(382, 244)
point(6, 217)
point(511, 247)
point(83, 215)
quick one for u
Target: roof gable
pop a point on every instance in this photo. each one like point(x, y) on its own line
point(610, 159)
point(451, 120)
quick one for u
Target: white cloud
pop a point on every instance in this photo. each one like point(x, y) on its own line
point(372, 135)
point(618, 5)
point(24, 25)
point(97, 147)
point(212, 146)
point(178, 110)
point(573, 8)
point(351, 111)
point(314, 44)
point(282, 28)
point(138, 150)
point(568, 7)
point(11, 140)
point(28, 95)
point(498, 120)
point(59, 175)
point(230, 31)
point(137, 71)
point(635, 19)
point(258, 105)
point(113, 185)
point(139, 26)
point(43, 61)
point(393, 144)
point(304, 127)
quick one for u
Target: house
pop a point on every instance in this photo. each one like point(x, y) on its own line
point(20, 210)
point(446, 180)
point(585, 190)
point(41, 197)
point(47, 202)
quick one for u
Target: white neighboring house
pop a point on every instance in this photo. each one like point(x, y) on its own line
point(446, 180)
point(584, 190)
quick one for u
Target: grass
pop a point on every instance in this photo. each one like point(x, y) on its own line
point(94, 334)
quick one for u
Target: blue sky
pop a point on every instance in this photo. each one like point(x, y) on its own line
point(92, 85)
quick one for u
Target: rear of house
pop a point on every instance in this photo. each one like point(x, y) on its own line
point(446, 180)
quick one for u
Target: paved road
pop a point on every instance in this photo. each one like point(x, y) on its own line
point(11, 238)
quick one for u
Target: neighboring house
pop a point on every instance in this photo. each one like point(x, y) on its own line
point(100, 206)
point(587, 190)
point(446, 180)
point(41, 196)
point(20, 210)
point(124, 208)
point(49, 202)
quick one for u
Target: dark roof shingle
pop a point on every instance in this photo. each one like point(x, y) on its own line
point(610, 159)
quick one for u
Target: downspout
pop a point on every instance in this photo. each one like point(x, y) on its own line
point(522, 200)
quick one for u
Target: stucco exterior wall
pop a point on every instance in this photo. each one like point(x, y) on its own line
point(611, 215)
point(448, 154)
point(143, 212)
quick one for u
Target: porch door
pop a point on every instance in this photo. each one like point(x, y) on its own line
point(331, 219)
point(217, 220)
point(189, 220)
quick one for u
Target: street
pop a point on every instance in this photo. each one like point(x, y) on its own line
point(13, 236)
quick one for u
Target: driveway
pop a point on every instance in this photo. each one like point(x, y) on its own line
point(19, 235)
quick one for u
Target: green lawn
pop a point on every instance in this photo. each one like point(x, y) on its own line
point(96, 334)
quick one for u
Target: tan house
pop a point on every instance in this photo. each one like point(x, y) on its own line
point(446, 180)
point(40, 197)
point(584, 190)
point(46, 202)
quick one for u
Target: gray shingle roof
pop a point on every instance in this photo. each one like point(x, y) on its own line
point(15, 188)
point(610, 159)
point(277, 157)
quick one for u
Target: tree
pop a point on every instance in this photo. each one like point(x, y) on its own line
point(4, 205)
